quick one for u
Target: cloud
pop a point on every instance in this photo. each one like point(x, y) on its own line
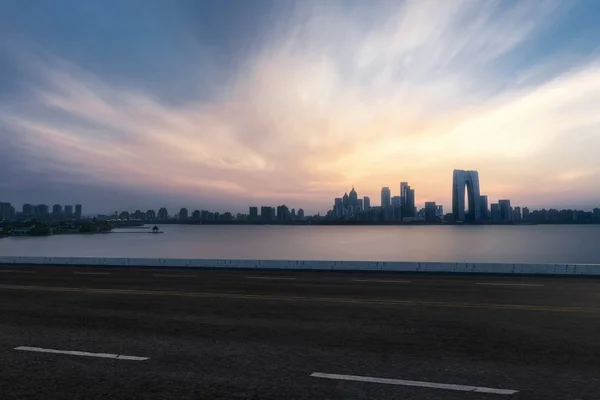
point(333, 99)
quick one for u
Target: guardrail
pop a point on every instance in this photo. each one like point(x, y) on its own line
point(382, 266)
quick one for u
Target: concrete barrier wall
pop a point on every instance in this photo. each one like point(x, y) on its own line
point(384, 266)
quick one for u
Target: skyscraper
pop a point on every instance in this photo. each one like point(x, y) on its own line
point(439, 211)
point(267, 213)
point(283, 213)
point(338, 206)
point(385, 197)
point(396, 201)
point(28, 210)
point(78, 211)
point(57, 209)
point(183, 213)
point(42, 211)
point(485, 215)
point(353, 198)
point(505, 210)
point(253, 213)
point(163, 213)
point(430, 211)
point(516, 214)
point(470, 180)
point(525, 214)
point(495, 211)
point(403, 189)
point(5, 211)
point(69, 211)
point(409, 207)
point(366, 203)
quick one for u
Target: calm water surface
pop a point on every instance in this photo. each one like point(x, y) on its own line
point(527, 244)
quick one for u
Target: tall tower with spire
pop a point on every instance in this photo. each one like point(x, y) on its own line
point(353, 198)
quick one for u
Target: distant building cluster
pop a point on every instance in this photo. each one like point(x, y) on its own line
point(399, 208)
point(40, 212)
point(267, 214)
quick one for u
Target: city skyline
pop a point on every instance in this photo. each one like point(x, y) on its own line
point(119, 106)
point(468, 205)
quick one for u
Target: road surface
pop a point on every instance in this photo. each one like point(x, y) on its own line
point(87, 333)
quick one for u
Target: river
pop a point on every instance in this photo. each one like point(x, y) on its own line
point(508, 244)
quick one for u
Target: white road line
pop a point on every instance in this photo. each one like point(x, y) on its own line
point(401, 382)
point(17, 271)
point(91, 273)
point(508, 284)
point(277, 278)
point(82, 353)
point(380, 281)
point(174, 276)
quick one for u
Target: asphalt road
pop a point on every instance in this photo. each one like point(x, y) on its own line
point(297, 335)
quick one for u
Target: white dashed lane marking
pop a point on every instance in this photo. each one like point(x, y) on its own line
point(422, 384)
point(82, 353)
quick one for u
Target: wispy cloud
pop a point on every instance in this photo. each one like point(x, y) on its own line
point(333, 99)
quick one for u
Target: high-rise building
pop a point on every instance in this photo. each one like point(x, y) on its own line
point(137, 215)
point(151, 214)
point(253, 213)
point(525, 214)
point(385, 197)
point(28, 210)
point(505, 210)
point(439, 212)
point(283, 213)
point(403, 189)
point(196, 215)
point(396, 201)
point(495, 212)
point(366, 203)
point(430, 211)
point(338, 206)
point(300, 213)
point(6, 211)
point(68, 211)
point(409, 207)
point(183, 213)
point(78, 210)
point(516, 214)
point(57, 209)
point(267, 214)
point(353, 198)
point(42, 211)
point(163, 213)
point(469, 180)
point(485, 214)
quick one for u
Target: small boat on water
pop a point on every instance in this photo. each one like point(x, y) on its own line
point(156, 230)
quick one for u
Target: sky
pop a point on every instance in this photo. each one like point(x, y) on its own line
point(218, 105)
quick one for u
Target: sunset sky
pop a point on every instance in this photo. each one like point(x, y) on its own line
point(122, 104)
